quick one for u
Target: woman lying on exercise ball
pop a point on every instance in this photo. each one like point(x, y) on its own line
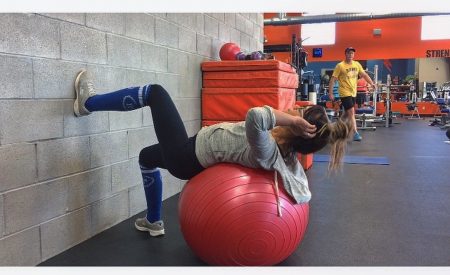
point(268, 139)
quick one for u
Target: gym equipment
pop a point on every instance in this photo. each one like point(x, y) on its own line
point(230, 215)
point(354, 159)
point(415, 111)
point(229, 51)
point(364, 116)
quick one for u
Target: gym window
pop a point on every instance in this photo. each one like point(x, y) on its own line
point(318, 34)
point(433, 27)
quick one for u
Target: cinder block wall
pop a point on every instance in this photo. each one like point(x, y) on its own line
point(64, 179)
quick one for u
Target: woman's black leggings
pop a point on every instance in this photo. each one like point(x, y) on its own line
point(175, 150)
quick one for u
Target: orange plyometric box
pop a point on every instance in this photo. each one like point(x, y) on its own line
point(305, 160)
point(232, 104)
point(248, 79)
point(246, 65)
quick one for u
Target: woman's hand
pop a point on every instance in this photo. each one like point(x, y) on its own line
point(298, 125)
point(303, 128)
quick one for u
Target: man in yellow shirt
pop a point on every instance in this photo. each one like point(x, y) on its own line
point(347, 72)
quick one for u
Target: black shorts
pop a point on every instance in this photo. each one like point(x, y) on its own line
point(348, 102)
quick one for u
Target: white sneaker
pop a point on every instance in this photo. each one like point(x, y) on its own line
point(84, 89)
point(155, 229)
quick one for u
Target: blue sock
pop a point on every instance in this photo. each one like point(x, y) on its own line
point(153, 192)
point(122, 100)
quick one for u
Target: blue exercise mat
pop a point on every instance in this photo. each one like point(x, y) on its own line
point(355, 159)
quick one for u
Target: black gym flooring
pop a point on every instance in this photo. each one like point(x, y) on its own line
point(368, 215)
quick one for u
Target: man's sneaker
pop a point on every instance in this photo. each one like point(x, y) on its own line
point(155, 229)
point(84, 89)
point(357, 137)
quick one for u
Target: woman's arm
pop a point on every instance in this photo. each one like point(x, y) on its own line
point(298, 124)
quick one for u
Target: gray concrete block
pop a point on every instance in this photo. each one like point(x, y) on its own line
point(240, 23)
point(171, 185)
point(79, 43)
point(2, 223)
point(79, 18)
point(140, 138)
point(188, 40)
point(170, 82)
point(193, 126)
point(257, 32)
point(235, 36)
point(95, 123)
point(230, 19)
point(254, 45)
point(159, 14)
point(32, 205)
point(215, 48)
point(108, 22)
point(108, 79)
point(253, 17)
point(178, 62)
point(64, 232)
point(204, 44)
point(187, 20)
point(54, 78)
point(147, 118)
point(109, 212)
point(189, 108)
point(260, 19)
point(249, 27)
point(174, 18)
point(224, 32)
point(123, 52)
point(17, 165)
point(260, 45)
point(137, 200)
point(199, 23)
point(140, 26)
point(125, 120)
point(166, 33)
point(245, 42)
point(154, 58)
point(125, 175)
point(16, 77)
point(108, 148)
point(219, 16)
point(21, 249)
point(62, 157)
point(191, 83)
point(88, 187)
point(140, 78)
point(29, 34)
point(43, 120)
point(191, 86)
point(211, 27)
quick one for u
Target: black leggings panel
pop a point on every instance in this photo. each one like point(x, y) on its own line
point(175, 150)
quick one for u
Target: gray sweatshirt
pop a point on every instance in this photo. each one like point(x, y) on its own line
point(251, 144)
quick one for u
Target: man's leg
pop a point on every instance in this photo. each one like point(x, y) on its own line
point(349, 113)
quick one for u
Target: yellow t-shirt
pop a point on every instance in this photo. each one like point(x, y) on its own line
point(347, 75)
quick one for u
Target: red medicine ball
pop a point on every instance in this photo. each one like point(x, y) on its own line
point(229, 51)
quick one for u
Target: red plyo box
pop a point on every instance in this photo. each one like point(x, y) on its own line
point(232, 104)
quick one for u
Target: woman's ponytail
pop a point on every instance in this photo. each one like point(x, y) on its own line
point(339, 134)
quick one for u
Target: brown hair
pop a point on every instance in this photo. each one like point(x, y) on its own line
point(335, 133)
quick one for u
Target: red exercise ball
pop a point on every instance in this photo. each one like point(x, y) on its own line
point(229, 51)
point(228, 216)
